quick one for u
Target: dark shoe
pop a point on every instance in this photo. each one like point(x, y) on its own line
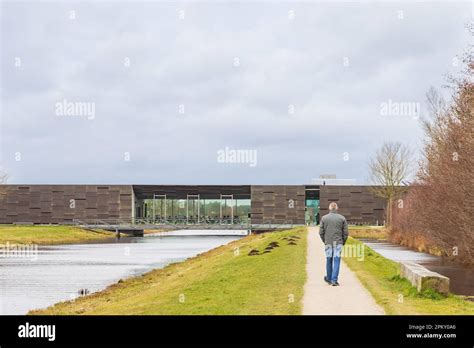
point(327, 281)
point(335, 284)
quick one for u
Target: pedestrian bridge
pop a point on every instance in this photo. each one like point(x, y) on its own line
point(136, 227)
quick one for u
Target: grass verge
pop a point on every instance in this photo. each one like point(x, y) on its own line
point(225, 280)
point(395, 294)
point(372, 232)
point(16, 234)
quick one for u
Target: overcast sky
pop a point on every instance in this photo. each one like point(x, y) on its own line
point(301, 86)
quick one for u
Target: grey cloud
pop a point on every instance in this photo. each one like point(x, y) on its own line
point(191, 62)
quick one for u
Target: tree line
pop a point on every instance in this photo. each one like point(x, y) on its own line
point(435, 212)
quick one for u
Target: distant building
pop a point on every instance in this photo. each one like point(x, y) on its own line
point(227, 204)
point(331, 179)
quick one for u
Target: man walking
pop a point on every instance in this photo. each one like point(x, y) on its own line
point(334, 234)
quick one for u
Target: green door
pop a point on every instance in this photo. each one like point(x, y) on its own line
point(312, 211)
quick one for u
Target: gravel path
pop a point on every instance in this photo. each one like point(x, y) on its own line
point(320, 298)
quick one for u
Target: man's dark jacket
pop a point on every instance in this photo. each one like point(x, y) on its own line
point(333, 229)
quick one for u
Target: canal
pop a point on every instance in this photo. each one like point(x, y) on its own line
point(461, 277)
point(59, 272)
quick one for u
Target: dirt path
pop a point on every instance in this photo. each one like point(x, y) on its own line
point(320, 298)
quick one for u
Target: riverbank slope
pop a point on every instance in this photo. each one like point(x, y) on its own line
point(225, 280)
point(48, 235)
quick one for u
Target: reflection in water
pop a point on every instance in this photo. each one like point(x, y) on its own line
point(461, 277)
point(60, 271)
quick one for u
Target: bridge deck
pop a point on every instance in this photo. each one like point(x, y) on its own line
point(137, 228)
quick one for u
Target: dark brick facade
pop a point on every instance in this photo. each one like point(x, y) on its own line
point(62, 203)
point(357, 203)
point(278, 204)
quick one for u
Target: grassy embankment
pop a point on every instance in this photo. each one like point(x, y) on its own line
point(372, 232)
point(19, 234)
point(417, 243)
point(225, 280)
point(156, 231)
point(395, 294)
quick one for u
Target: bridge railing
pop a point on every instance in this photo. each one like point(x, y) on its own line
point(103, 222)
point(272, 226)
point(150, 224)
point(145, 222)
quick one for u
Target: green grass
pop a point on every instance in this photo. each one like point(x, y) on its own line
point(220, 281)
point(395, 294)
point(371, 232)
point(20, 234)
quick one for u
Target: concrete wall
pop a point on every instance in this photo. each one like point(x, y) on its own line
point(357, 203)
point(280, 204)
point(62, 203)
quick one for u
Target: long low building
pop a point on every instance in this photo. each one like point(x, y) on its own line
point(229, 204)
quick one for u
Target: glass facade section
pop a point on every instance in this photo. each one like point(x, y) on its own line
point(195, 210)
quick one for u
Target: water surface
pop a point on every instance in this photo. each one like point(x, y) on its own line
point(461, 277)
point(58, 272)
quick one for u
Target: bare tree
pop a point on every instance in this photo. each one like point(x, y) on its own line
point(438, 209)
point(389, 170)
point(3, 177)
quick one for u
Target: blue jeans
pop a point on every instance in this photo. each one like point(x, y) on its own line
point(333, 261)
